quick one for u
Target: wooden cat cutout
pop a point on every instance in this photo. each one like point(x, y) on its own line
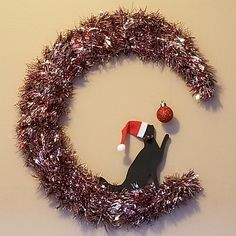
point(144, 167)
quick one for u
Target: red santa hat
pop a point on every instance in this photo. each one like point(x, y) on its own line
point(135, 128)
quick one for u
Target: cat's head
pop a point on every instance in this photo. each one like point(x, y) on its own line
point(150, 133)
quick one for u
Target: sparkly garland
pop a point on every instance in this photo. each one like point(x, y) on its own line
point(48, 89)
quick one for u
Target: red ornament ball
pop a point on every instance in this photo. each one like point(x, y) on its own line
point(164, 113)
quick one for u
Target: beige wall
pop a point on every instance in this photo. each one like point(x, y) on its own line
point(203, 137)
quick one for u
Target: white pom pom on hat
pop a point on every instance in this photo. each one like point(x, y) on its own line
point(121, 147)
point(135, 128)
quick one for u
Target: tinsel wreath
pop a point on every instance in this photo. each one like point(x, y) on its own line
point(48, 89)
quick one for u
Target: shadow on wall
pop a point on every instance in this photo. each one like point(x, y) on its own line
point(171, 127)
point(214, 103)
point(156, 227)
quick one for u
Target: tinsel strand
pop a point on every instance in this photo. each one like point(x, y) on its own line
point(48, 89)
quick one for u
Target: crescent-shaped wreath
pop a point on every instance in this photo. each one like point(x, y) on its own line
point(48, 89)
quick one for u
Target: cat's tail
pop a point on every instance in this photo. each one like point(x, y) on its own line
point(111, 187)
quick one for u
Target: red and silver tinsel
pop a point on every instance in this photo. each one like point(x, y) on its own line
point(48, 89)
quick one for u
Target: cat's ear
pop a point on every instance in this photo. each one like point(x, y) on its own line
point(153, 130)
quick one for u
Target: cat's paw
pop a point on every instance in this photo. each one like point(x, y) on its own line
point(167, 136)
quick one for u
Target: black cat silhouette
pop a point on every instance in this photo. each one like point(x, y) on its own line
point(144, 167)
